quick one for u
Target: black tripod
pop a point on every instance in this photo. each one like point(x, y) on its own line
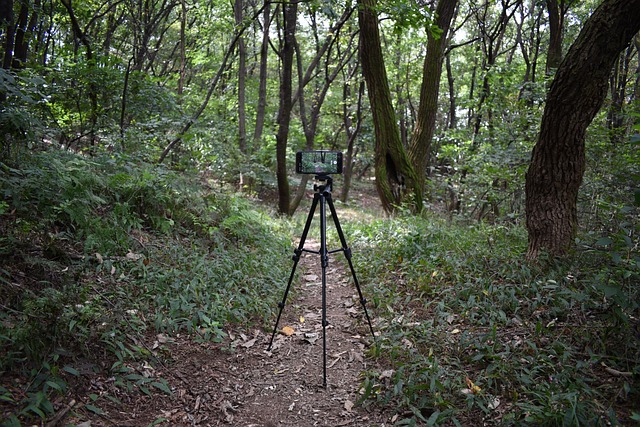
point(322, 195)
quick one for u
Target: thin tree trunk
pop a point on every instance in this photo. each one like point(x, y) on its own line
point(349, 157)
point(262, 88)
point(431, 74)
point(242, 74)
point(286, 103)
point(183, 49)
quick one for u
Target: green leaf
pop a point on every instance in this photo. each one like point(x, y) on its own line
point(54, 385)
point(94, 409)
point(161, 386)
point(71, 370)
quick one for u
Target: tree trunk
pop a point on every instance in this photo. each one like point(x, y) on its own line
point(286, 104)
point(431, 73)
point(575, 97)
point(262, 88)
point(242, 74)
point(8, 31)
point(393, 169)
point(352, 133)
point(183, 49)
point(556, 10)
point(93, 90)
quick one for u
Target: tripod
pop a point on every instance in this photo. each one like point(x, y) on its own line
point(322, 195)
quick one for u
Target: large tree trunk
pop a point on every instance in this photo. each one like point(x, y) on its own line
point(286, 104)
point(432, 71)
point(393, 169)
point(575, 96)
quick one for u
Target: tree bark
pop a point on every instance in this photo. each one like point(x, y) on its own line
point(242, 74)
point(428, 109)
point(556, 9)
point(352, 132)
point(575, 96)
point(262, 86)
point(286, 104)
point(393, 169)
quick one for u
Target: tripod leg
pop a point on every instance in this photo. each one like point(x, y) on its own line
point(324, 261)
point(347, 254)
point(296, 258)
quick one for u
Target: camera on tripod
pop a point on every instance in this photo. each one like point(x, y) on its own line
point(319, 162)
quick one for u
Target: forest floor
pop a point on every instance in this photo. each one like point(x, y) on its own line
point(240, 383)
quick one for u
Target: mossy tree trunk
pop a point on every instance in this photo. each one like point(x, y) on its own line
point(393, 169)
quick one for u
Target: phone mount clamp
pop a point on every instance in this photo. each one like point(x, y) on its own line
point(322, 197)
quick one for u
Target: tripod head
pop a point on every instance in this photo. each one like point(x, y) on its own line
point(323, 188)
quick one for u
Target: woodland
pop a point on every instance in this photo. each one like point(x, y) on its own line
point(149, 209)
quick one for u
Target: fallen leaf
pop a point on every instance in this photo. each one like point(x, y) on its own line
point(311, 337)
point(301, 319)
point(288, 331)
point(472, 387)
point(348, 405)
point(493, 403)
point(249, 343)
point(133, 256)
point(455, 331)
point(386, 374)
point(99, 258)
point(310, 277)
point(227, 410)
point(163, 339)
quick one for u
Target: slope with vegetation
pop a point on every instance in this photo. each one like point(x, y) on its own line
point(98, 253)
point(138, 139)
point(103, 254)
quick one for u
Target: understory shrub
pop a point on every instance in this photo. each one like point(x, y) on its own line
point(96, 253)
point(471, 332)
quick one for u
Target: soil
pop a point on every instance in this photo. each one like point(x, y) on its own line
point(239, 382)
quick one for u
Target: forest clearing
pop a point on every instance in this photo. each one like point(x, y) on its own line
point(153, 204)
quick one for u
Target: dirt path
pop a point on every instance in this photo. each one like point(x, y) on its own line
point(287, 382)
point(240, 383)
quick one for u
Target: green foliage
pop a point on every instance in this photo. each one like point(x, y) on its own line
point(18, 119)
point(459, 309)
point(98, 252)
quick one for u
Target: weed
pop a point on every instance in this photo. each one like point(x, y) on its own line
point(104, 251)
point(457, 306)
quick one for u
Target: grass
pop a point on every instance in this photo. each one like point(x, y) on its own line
point(98, 254)
point(471, 332)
